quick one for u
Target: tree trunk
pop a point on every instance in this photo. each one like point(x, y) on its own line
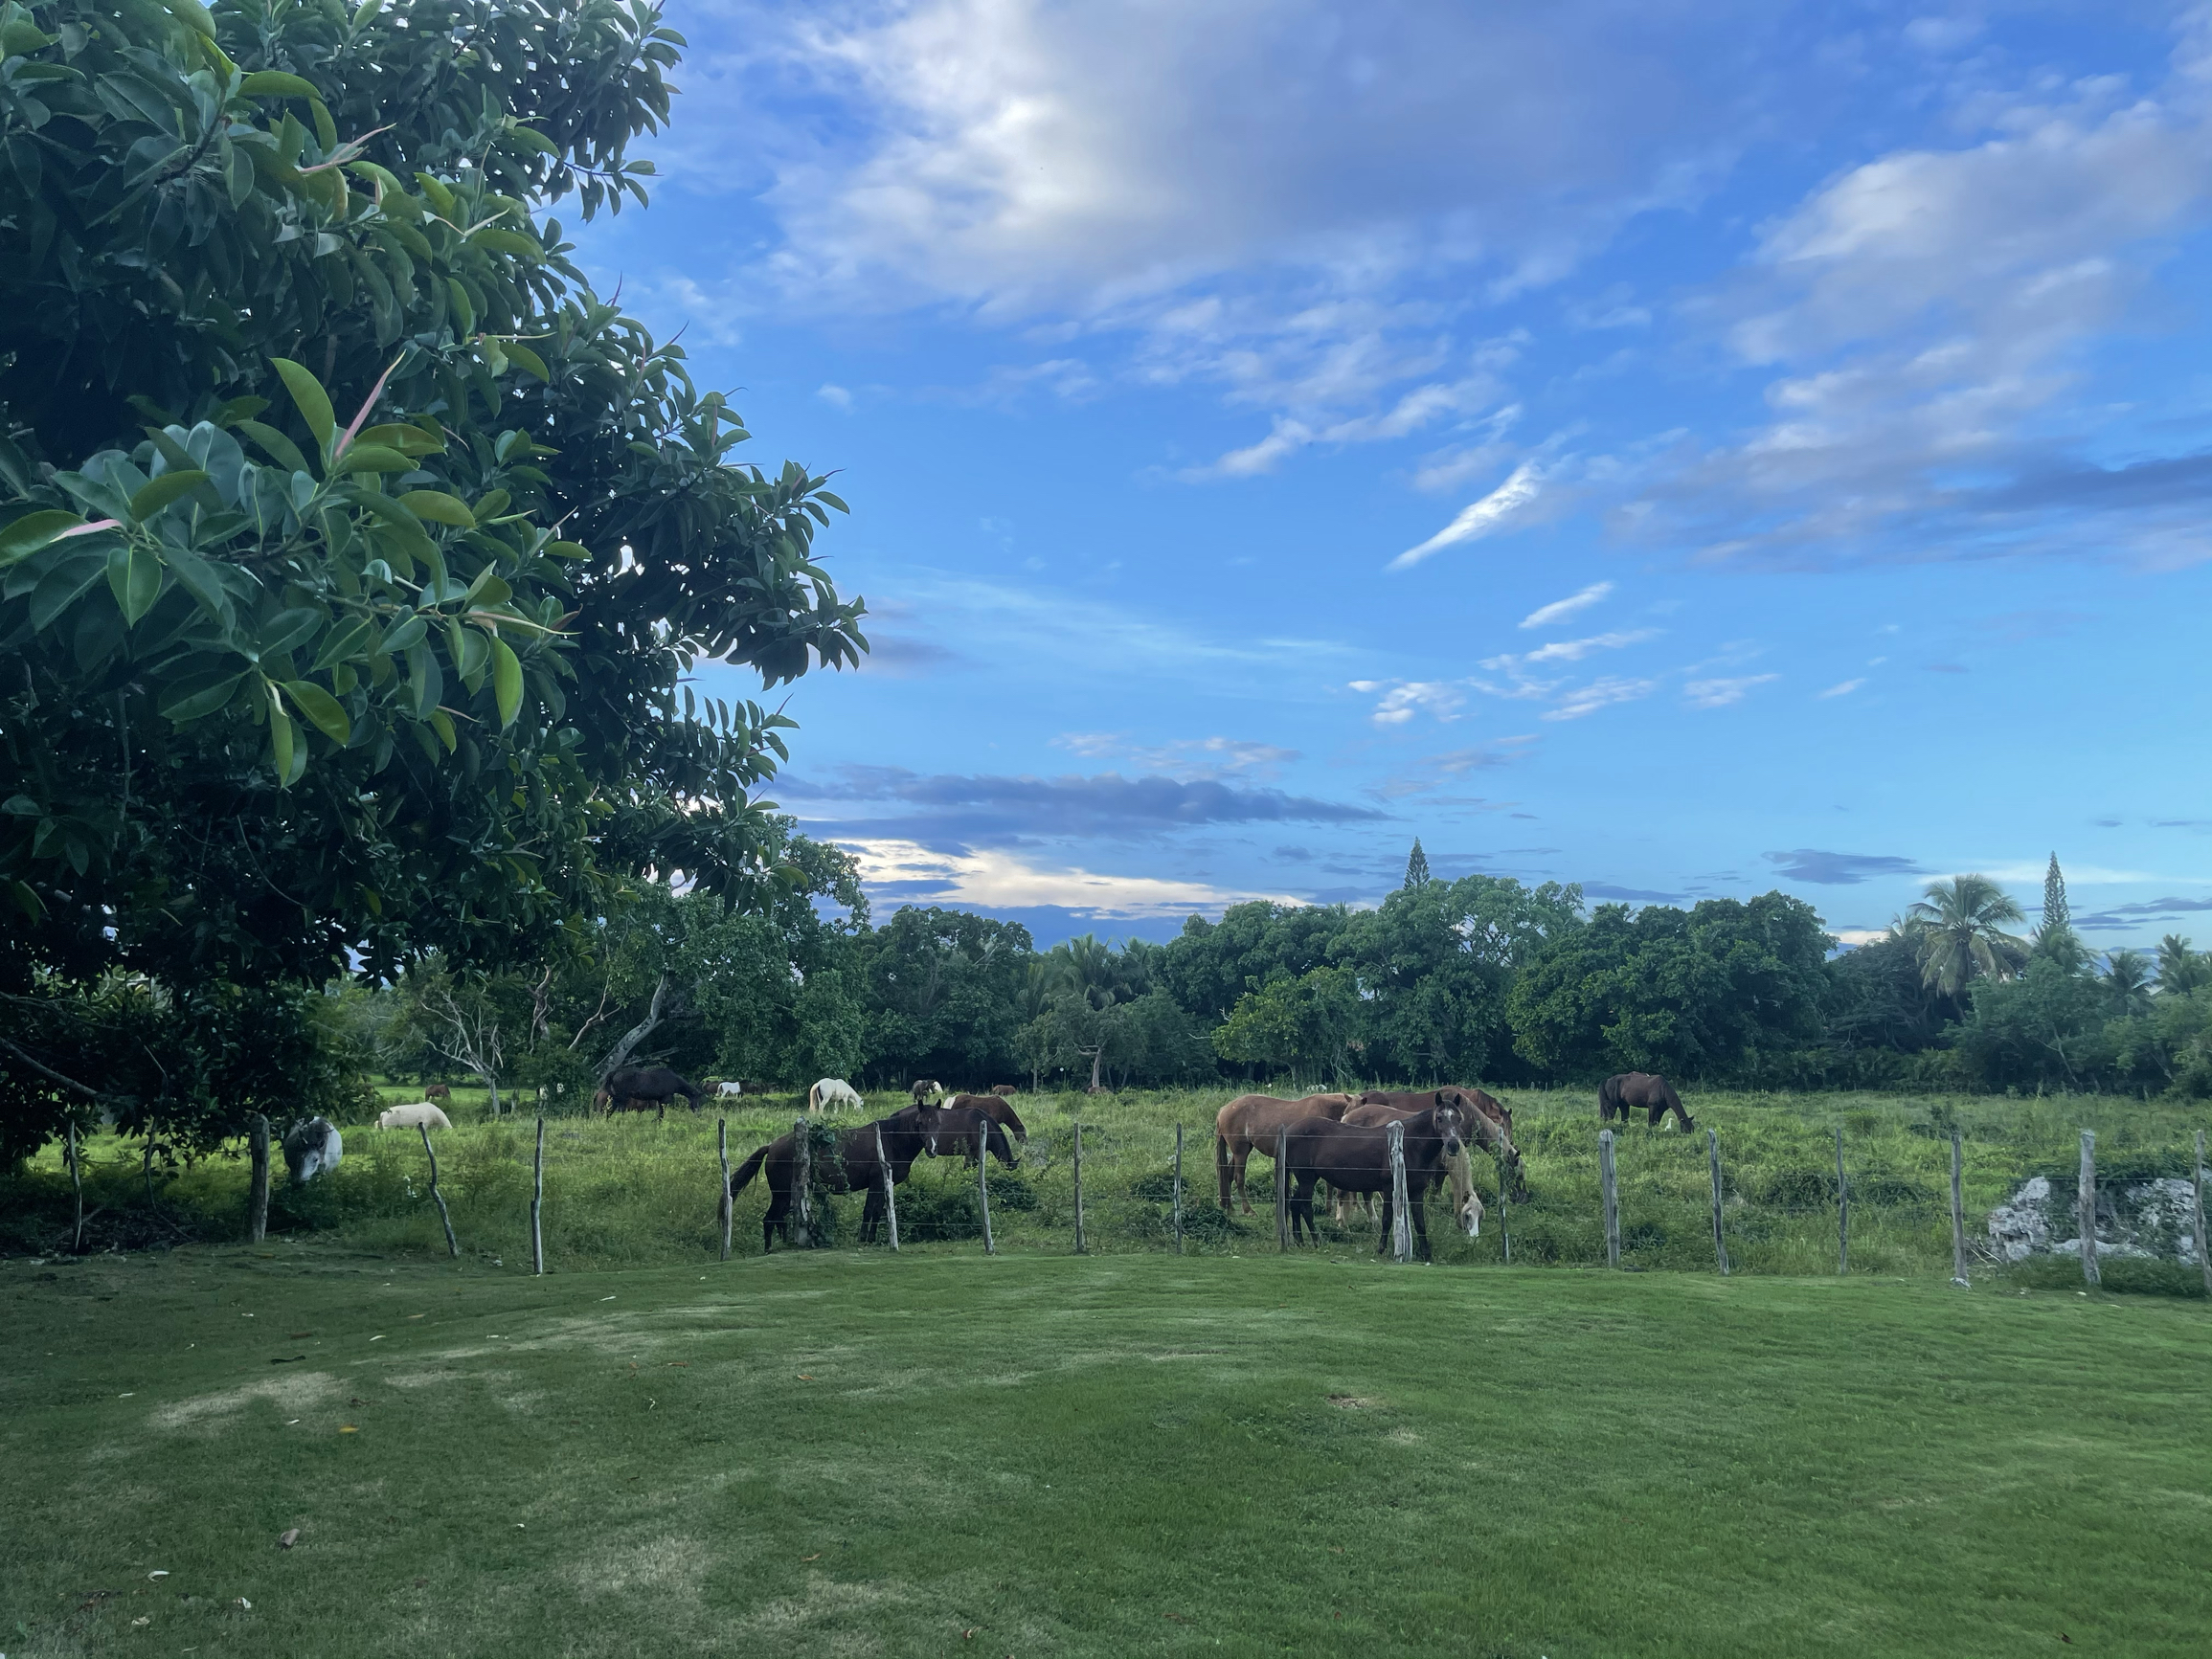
point(619, 1054)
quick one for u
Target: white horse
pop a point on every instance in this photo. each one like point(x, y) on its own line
point(831, 1093)
point(312, 1146)
point(421, 1114)
point(727, 1088)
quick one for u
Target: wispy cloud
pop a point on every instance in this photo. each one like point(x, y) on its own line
point(1602, 693)
point(1478, 520)
point(1194, 758)
point(979, 806)
point(996, 880)
point(1843, 689)
point(836, 396)
point(1403, 698)
point(1559, 609)
point(1720, 693)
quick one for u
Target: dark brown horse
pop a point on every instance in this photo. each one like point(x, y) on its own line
point(1629, 1090)
point(635, 1087)
point(1490, 1125)
point(907, 1134)
point(1355, 1159)
point(992, 1107)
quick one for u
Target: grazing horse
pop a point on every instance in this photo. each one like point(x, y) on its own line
point(1489, 1124)
point(992, 1108)
point(907, 1134)
point(634, 1088)
point(1355, 1158)
point(724, 1089)
point(422, 1114)
point(925, 1089)
point(1466, 1202)
point(439, 1091)
point(312, 1146)
point(1248, 1124)
point(1655, 1094)
point(1004, 1091)
point(832, 1093)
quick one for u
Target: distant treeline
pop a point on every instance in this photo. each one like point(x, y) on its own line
point(1475, 978)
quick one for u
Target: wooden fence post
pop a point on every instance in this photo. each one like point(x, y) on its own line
point(257, 1194)
point(2085, 1202)
point(1504, 1226)
point(1401, 1223)
point(452, 1245)
point(1608, 1198)
point(1079, 1246)
point(983, 1178)
point(725, 1211)
point(1842, 1209)
point(77, 1185)
point(802, 1215)
point(1179, 1189)
point(1958, 1215)
point(1282, 1188)
point(2196, 1213)
point(537, 1206)
point(890, 1196)
point(1720, 1240)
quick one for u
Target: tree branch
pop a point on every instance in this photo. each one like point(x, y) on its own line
point(50, 1074)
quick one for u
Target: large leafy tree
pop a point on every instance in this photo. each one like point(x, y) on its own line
point(354, 552)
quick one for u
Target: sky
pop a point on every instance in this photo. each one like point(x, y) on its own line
point(1684, 449)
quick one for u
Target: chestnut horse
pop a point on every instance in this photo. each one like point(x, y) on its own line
point(1355, 1158)
point(992, 1107)
point(1490, 1124)
point(1647, 1090)
point(1248, 1124)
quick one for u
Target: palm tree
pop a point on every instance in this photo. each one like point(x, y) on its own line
point(2181, 969)
point(1960, 934)
point(2127, 978)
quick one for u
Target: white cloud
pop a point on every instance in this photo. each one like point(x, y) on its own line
point(1720, 693)
point(1481, 518)
point(2078, 875)
point(1000, 880)
point(1403, 698)
point(836, 396)
point(1568, 650)
point(1600, 693)
point(1190, 759)
point(1843, 689)
point(1559, 609)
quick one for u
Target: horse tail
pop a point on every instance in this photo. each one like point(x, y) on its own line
point(814, 1097)
point(747, 1169)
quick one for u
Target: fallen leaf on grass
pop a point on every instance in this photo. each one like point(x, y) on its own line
point(246, 1605)
point(288, 1540)
point(347, 1429)
point(158, 1573)
point(803, 1378)
point(142, 1619)
point(376, 1339)
point(679, 1362)
point(816, 1556)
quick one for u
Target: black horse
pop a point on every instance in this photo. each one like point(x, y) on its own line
point(907, 1134)
point(635, 1087)
point(1629, 1090)
point(1356, 1159)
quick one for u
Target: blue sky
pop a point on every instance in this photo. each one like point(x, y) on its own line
point(1682, 449)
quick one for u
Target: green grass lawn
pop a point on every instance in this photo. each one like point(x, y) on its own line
point(943, 1453)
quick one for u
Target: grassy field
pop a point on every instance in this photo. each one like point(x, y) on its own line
point(841, 1453)
point(632, 1191)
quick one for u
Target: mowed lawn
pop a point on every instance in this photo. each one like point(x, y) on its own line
point(840, 1453)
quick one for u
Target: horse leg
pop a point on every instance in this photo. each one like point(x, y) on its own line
point(1243, 1152)
point(1389, 1202)
point(1418, 1204)
point(777, 1203)
point(1221, 1169)
point(871, 1215)
point(1302, 1210)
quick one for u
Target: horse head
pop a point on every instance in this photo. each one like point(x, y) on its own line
point(1450, 1120)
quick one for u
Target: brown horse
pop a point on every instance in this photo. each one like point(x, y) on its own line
point(1355, 1158)
point(907, 1134)
point(1248, 1124)
point(1490, 1125)
point(1466, 1202)
point(1631, 1089)
point(992, 1107)
point(1004, 1091)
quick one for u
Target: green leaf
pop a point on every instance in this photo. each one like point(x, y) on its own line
point(406, 439)
point(529, 359)
point(163, 490)
point(199, 695)
point(276, 83)
point(346, 641)
point(566, 550)
point(32, 531)
point(442, 723)
point(506, 682)
point(490, 505)
point(438, 506)
point(197, 577)
point(313, 401)
point(372, 458)
point(134, 578)
point(324, 711)
point(193, 15)
point(406, 635)
point(326, 130)
point(282, 739)
point(440, 197)
point(64, 585)
point(288, 629)
point(275, 446)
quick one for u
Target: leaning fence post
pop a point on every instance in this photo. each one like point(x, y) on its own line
point(1958, 1214)
point(1720, 1240)
point(261, 1187)
point(1504, 1225)
point(1609, 1197)
point(1842, 1209)
point(1079, 1250)
point(983, 1178)
point(725, 1210)
point(1401, 1223)
point(1282, 1188)
point(2195, 1212)
point(803, 1184)
point(2085, 1202)
point(452, 1245)
point(1179, 1189)
point(257, 1193)
point(537, 1206)
point(889, 1196)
